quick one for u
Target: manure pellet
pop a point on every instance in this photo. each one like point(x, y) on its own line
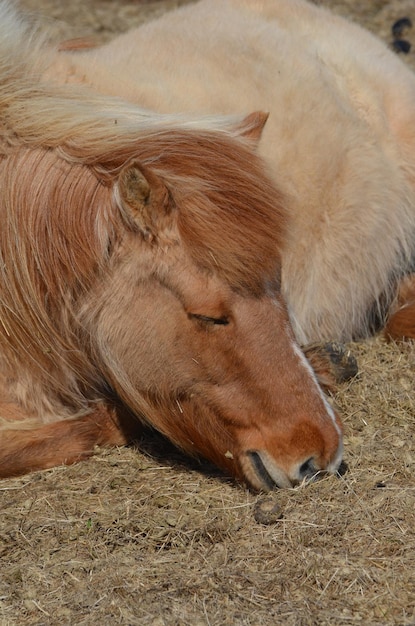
point(400, 26)
point(267, 511)
point(401, 45)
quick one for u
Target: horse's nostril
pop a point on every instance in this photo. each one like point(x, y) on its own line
point(342, 469)
point(307, 469)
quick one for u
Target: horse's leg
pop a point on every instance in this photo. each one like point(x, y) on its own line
point(401, 322)
point(24, 449)
point(332, 364)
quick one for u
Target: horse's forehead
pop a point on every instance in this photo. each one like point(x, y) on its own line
point(230, 217)
point(201, 288)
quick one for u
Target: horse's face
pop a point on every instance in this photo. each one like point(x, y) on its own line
point(213, 367)
point(221, 376)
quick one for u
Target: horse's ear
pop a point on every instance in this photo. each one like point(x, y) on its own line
point(252, 126)
point(143, 199)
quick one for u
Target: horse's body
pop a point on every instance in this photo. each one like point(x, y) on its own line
point(339, 141)
point(141, 253)
point(140, 276)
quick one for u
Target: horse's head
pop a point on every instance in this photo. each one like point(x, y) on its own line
point(190, 329)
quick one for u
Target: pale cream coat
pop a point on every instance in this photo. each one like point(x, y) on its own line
point(339, 140)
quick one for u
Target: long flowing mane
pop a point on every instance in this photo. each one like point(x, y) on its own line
point(62, 149)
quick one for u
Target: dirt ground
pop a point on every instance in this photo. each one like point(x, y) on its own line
point(147, 537)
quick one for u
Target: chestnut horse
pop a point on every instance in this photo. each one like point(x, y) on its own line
point(339, 142)
point(140, 281)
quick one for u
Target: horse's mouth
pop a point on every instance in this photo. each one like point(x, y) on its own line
point(260, 470)
point(263, 473)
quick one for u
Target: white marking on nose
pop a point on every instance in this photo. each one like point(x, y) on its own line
point(335, 464)
point(302, 358)
point(304, 362)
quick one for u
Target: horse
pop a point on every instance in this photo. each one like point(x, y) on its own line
point(339, 142)
point(140, 283)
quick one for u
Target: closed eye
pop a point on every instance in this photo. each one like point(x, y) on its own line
point(217, 321)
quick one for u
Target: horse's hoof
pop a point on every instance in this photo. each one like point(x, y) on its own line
point(343, 362)
point(332, 362)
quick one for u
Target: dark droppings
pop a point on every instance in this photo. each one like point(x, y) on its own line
point(267, 510)
point(401, 45)
point(401, 26)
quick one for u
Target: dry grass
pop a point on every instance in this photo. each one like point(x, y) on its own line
point(150, 538)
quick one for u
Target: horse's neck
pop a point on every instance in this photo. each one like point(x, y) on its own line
point(79, 68)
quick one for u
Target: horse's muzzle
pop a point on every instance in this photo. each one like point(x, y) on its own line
point(264, 474)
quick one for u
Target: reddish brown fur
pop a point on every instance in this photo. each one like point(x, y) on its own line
point(77, 43)
point(323, 369)
point(59, 443)
point(401, 323)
